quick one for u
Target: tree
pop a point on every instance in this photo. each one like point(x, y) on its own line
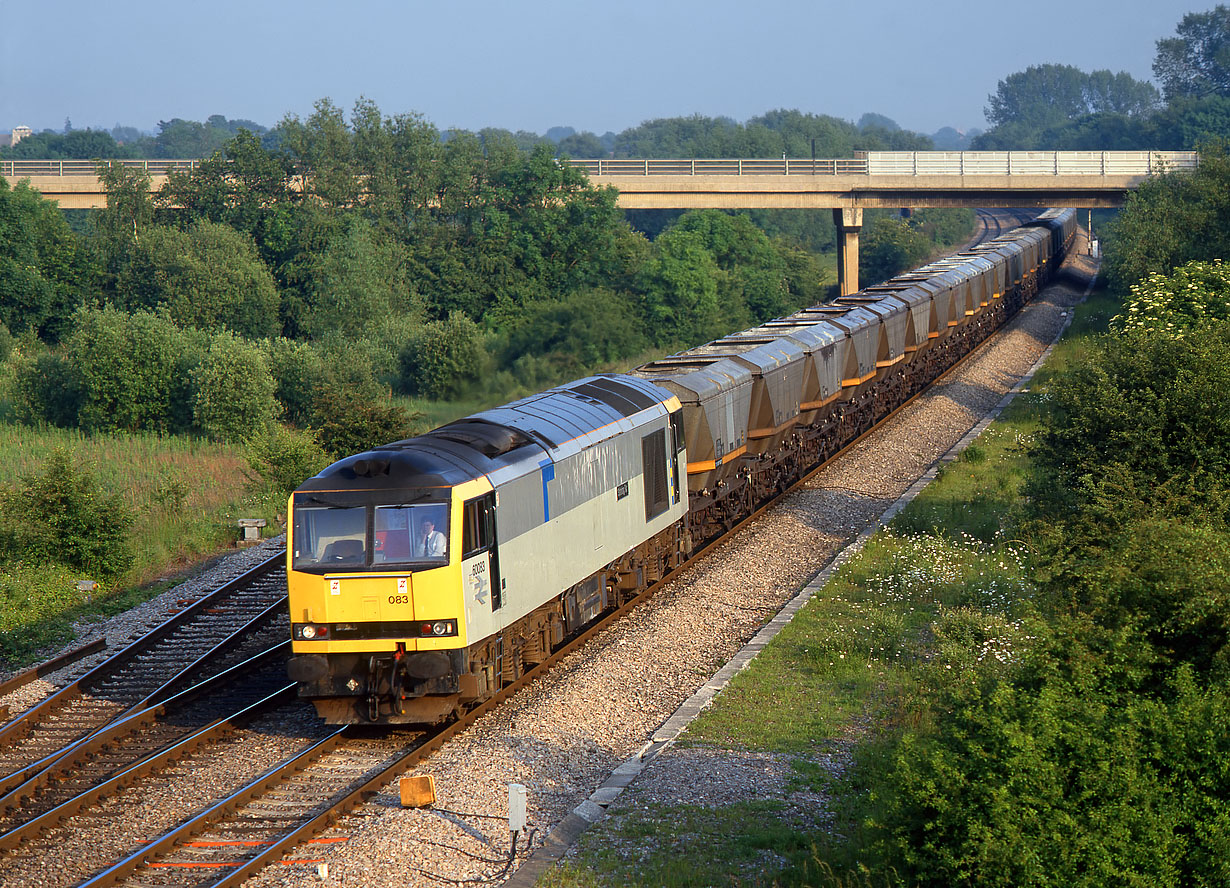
point(132, 371)
point(1196, 62)
point(888, 247)
point(44, 270)
point(1172, 219)
point(444, 358)
point(208, 277)
point(1044, 96)
point(244, 186)
point(233, 397)
point(1194, 295)
point(581, 145)
point(86, 144)
point(61, 514)
point(679, 290)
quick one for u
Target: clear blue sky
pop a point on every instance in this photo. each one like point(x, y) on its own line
point(535, 64)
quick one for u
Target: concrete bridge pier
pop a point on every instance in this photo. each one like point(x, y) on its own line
point(849, 221)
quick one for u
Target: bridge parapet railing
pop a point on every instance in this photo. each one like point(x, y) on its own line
point(1027, 163)
point(17, 169)
point(792, 166)
point(913, 163)
point(870, 163)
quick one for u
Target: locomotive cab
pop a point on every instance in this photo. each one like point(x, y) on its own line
point(376, 584)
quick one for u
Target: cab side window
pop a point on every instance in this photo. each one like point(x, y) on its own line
point(477, 520)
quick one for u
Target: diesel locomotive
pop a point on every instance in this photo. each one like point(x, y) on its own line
point(426, 574)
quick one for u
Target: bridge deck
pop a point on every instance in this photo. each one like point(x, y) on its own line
point(873, 179)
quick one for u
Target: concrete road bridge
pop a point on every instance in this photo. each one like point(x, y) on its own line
point(873, 179)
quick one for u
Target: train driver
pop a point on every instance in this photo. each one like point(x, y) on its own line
point(430, 543)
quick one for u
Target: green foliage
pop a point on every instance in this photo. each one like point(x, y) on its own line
point(1194, 295)
point(284, 458)
point(86, 144)
point(1046, 95)
point(1196, 62)
point(44, 271)
point(33, 598)
point(298, 369)
point(345, 424)
point(889, 246)
point(209, 277)
point(61, 515)
point(355, 281)
point(132, 370)
point(1145, 420)
point(444, 358)
point(1170, 220)
point(679, 290)
point(1060, 777)
point(46, 389)
point(233, 397)
point(585, 330)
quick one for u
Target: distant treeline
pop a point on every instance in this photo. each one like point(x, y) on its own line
point(342, 257)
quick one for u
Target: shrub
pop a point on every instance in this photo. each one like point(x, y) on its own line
point(209, 277)
point(298, 370)
point(444, 358)
point(234, 390)
point(132, 370)
point(346, 424)
point(284, 458)
point(60, 514)
point(46, 389)
point(1056, 777)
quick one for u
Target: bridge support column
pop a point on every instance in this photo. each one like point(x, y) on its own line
point(849, 222)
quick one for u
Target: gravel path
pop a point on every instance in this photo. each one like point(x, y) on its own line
point(564, 736)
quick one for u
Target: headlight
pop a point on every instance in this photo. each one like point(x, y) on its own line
point(308, 632)
point(440, 628)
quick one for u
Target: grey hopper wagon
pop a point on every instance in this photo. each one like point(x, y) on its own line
point(716, 395)
point(777, 367)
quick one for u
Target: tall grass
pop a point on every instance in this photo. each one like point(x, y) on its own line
point(185, 495)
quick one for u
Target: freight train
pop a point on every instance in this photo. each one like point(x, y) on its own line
point(427, 574)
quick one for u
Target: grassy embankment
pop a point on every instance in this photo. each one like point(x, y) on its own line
point(933, 597)
point(184, 494)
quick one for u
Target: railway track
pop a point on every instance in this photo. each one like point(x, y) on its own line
point(207, 637)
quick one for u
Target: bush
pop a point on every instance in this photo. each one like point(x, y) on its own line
point(298, 370)
point(1146, 419)
point(582, 332)
point(61, 515)
point(284, 458)
point(889, 247)
point(1061, 777)
point(132, 371)
point(346, 424)
point(209, 277)
point(444, 359)
point(46, 389)
point(234, 390)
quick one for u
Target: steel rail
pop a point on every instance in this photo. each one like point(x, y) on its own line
point(211, 733)
point(64, 765)
point(55, 664)
point(161, 692)
point(24, 723)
